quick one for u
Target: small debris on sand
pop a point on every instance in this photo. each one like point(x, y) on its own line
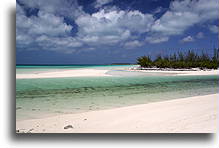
point(30, 130)
point(68, 126)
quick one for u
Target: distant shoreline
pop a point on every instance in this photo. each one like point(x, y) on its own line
point(178, 72)
point(172, 69)
point(85, 72)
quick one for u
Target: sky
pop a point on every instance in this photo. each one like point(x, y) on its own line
point(112, 31)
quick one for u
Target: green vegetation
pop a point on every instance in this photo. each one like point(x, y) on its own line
point(182, 60)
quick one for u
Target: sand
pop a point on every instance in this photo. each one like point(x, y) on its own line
point(181, 73)
point(65, 73)
point(187, 115)
point(100, 72)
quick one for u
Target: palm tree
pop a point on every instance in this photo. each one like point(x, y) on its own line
point(144, 61)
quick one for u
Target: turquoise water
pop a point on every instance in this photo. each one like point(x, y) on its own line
point(37, 98)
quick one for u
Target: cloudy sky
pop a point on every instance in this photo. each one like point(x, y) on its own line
point(112, 31)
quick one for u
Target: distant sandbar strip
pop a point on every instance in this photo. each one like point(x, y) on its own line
point(102, 73)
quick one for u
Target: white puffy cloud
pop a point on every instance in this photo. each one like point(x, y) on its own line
point(114, 22)
point(48, 24)
point(109, 26)
point(172, 23)
point(136, 21)
point(156, 39)
point(187, 39)
point(67, 8)
point(184, 14)
point(100, 3)
point(44, 23)
point(214, 28)
point(45, 31)
point(112, 27)
point(133, 44)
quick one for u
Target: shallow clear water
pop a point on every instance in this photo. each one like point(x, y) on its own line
point(45, 97)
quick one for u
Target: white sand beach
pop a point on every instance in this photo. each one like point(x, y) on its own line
point(181, 73)
point(64, 73)
point(187, 115)
point(103, 72)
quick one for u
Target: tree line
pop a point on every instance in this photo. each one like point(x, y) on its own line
point(182, 60)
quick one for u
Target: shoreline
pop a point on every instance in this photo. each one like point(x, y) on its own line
point(65, 74)
point(185, 115)
point(179, 72)
point(102, 72)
